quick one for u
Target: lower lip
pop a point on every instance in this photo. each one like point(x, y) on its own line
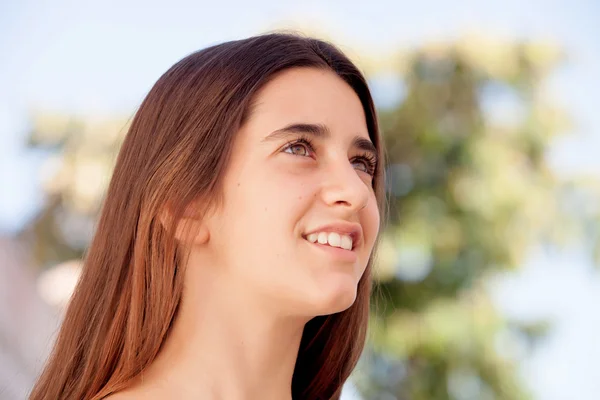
point(336, 252)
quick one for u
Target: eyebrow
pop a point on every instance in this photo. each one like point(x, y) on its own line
point(320, 131)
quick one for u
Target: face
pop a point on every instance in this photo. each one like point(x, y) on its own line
point(301, 172)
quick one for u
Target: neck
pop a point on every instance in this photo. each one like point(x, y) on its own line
point(223, 345)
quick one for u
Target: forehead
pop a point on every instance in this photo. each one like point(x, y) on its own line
point(308, 95)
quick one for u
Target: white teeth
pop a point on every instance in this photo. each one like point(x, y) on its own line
point(312, 237)
point(346, 242)
point(334, 239)
point(322, 238)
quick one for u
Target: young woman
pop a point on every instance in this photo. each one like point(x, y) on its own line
point(232, 258)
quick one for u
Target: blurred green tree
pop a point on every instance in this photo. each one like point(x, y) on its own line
point(470, 194)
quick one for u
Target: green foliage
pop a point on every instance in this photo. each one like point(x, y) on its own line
point(470, 194)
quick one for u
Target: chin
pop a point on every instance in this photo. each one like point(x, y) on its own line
point(336, 296)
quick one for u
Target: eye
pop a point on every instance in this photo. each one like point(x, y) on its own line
point(364, 168)
point(368, 162)
point(301, 147)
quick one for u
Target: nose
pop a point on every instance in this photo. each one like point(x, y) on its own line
point(342, 186)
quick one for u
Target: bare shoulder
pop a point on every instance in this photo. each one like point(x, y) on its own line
point(136, 389)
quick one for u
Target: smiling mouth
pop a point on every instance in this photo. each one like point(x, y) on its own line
point(332, 239)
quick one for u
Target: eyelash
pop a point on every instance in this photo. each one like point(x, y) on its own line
point(369, 160)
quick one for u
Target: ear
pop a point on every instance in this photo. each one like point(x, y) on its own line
point(191, 228)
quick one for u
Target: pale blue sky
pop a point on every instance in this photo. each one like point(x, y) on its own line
point(103, 56)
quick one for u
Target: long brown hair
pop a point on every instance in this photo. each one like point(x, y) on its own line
point(175, 152)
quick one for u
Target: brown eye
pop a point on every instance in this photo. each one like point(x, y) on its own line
point(300, 147)
point(297, 149)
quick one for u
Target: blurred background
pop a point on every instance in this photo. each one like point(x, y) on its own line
point(488, 284)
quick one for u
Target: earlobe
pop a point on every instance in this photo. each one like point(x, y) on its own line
point(202, 235)
point(192, 231)
point(189, 229)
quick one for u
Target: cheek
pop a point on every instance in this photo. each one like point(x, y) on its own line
point(281, 193)
point(264, 212)
point(264, 236)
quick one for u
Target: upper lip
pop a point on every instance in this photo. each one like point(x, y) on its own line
point(342, 227)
